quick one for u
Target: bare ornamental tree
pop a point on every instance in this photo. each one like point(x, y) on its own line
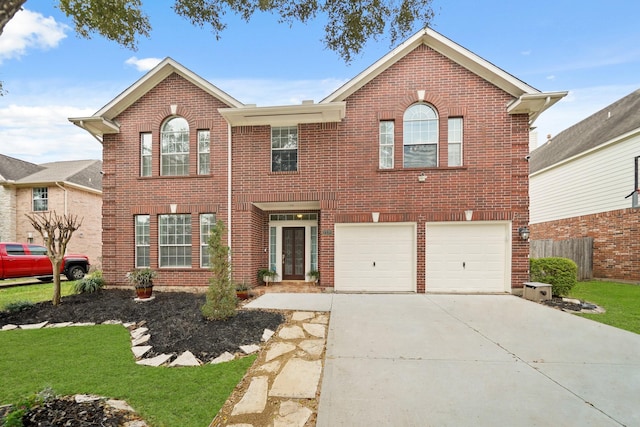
point(56, 231)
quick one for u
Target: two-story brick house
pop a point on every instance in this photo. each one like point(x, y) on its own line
point(411, 177)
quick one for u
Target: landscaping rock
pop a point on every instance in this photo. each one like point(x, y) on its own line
point(291, 333)
point(224, 357)
point(255, 398)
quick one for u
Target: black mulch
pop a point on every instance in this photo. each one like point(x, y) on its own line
point(173, 318)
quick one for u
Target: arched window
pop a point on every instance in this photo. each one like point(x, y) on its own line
point(420, 136)
point(174, 147)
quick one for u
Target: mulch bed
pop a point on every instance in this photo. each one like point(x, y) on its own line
point(175, 324)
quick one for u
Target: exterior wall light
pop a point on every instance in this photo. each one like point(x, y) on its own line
point(524, 233)
point(375, 216)
point(468, 215)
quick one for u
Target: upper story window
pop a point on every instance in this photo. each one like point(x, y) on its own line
point(284, 149)
point(420, 136)
point(454, 142)
point(204, 160)
point(40, 199)
point(174, 147)
point(386, 144)
point(145, 154)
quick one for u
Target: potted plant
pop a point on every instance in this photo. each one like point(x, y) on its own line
point(267, 275)
point(243, 291)
point(314, 276)
point(142, 281)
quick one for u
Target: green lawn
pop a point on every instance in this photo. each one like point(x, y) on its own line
point(98, 360)
point(621, 302)
point(32, 293)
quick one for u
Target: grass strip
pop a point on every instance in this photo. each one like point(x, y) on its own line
point(620, 300)
point(98, 360)
point(32, 293)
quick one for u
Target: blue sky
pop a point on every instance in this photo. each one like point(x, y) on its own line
point(590, 49)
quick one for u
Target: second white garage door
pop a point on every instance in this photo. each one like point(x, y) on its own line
point(468, 257)
point(375, 257)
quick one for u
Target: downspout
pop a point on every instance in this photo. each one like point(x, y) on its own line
point(65, 197)
point(229, 186)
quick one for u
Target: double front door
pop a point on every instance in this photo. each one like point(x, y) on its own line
point(293, 253)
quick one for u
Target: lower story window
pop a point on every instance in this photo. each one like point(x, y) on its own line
point(142, 241)
point(175, 240)
point(207, 221)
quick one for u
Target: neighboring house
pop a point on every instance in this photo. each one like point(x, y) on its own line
point(583, 183)
point(369, 186)
point(69, 187)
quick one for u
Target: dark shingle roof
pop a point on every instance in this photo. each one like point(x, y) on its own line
point(621, 117)
point(80, 172)
point(13, 169)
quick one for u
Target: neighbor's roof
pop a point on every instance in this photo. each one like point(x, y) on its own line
point(12, 169)
point(528, 100)
point(617, 120)
point(76, 173)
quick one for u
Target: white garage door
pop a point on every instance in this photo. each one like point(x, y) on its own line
point(468, 257)
point(375, 257)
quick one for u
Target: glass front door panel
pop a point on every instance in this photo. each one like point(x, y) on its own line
point(293, 253)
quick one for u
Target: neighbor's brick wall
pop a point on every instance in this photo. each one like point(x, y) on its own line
point(86, 206)
point(7, 214)
point(616, 242)
point(128, 194)
point(338, 163)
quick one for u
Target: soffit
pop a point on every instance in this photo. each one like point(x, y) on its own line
point(288, 115)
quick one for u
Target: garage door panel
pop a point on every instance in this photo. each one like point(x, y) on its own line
point(467, 257)
point(375, 257)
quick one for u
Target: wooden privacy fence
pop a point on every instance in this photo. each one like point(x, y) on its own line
point(579, 250)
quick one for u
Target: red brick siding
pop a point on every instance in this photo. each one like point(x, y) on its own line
point(127, 194)
point(337, 167)
point(344, 162)
point(616, 246)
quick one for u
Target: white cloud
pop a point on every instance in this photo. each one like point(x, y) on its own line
point(43, 133)
point(143, 64)
point(30, 30)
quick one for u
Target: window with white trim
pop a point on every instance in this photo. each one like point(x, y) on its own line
point(420, 136)
point(284, 149)
point(143, 241)
point(40, 199)
point(386, 144)
point(174, 147)
point(145, 154)
point(454, 143)
point(207, 222)
point(174, 233)
point(204, 160)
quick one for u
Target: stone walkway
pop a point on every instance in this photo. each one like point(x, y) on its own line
point(282, 387)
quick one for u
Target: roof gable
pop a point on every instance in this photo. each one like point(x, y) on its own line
point(102, 121)
point(614, 121)
point(528, 100)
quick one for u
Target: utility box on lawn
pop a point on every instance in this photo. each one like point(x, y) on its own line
point(536, 291)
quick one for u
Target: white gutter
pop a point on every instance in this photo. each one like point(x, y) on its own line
point(229, 187)
point(65, 197)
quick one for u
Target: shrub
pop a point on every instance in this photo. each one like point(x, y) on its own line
point(89, 283)
point(560, 273)
point(14, 416)
point(221, 295)
point(18, 306)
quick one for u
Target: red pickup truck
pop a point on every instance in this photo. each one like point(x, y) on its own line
point(27, 260)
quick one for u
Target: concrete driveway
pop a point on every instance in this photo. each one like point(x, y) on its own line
point(474, 360)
